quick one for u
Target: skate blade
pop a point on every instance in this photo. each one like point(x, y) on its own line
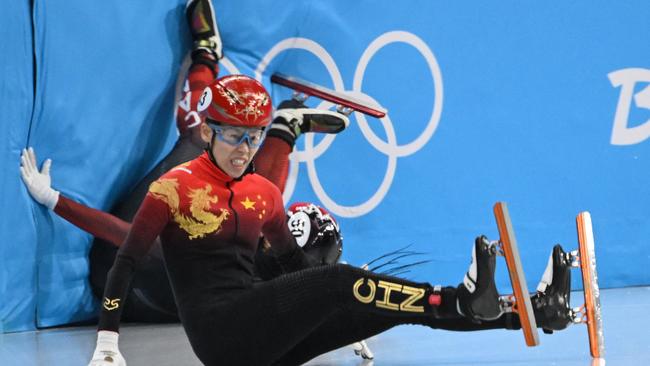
point(522, 304)
point(342, 100)
point(593, 313)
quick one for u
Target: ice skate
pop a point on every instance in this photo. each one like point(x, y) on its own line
point(293, 116)
point(590, 313)
point(519, 302)
point(478, 298)
point(551, 303)
point(203, 27)
point(345, 103)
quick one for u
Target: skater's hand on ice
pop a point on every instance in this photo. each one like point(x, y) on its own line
point(39, 184)
point(107, 352)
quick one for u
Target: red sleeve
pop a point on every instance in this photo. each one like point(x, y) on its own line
point(199, 76)
point(148, 223)
point(98, 223)
point(272, 161)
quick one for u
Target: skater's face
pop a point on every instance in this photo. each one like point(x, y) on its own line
point(232, 159)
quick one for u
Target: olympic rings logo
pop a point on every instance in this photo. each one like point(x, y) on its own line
point(390, 148)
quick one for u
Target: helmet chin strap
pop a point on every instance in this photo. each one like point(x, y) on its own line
point(209, 150)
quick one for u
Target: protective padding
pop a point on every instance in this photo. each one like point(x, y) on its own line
point(17, 234)
point(105, 80)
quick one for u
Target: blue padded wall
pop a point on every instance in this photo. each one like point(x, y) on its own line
point(17, 229)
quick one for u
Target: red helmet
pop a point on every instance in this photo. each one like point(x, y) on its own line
point(236, 100)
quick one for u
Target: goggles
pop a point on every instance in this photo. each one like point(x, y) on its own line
point(235, 136)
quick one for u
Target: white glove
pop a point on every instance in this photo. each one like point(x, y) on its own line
point(38, 183)
point(106, 352)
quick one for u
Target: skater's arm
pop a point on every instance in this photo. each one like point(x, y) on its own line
point(148, 222)
point(98, 223)
point(39, 186)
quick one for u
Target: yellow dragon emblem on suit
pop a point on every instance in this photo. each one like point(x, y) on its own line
point(202, 221)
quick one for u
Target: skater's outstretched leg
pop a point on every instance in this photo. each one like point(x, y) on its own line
point(206, 53)
point(317, 310)
point(551, 302)
point(291, 119)
point(377, 303)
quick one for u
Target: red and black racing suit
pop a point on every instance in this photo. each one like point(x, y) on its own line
point(209, 225)
point(151, 299)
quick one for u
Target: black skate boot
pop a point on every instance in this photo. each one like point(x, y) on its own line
point(292, 117)
point(478, 298)
point(551, 302)
point(203, 26)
